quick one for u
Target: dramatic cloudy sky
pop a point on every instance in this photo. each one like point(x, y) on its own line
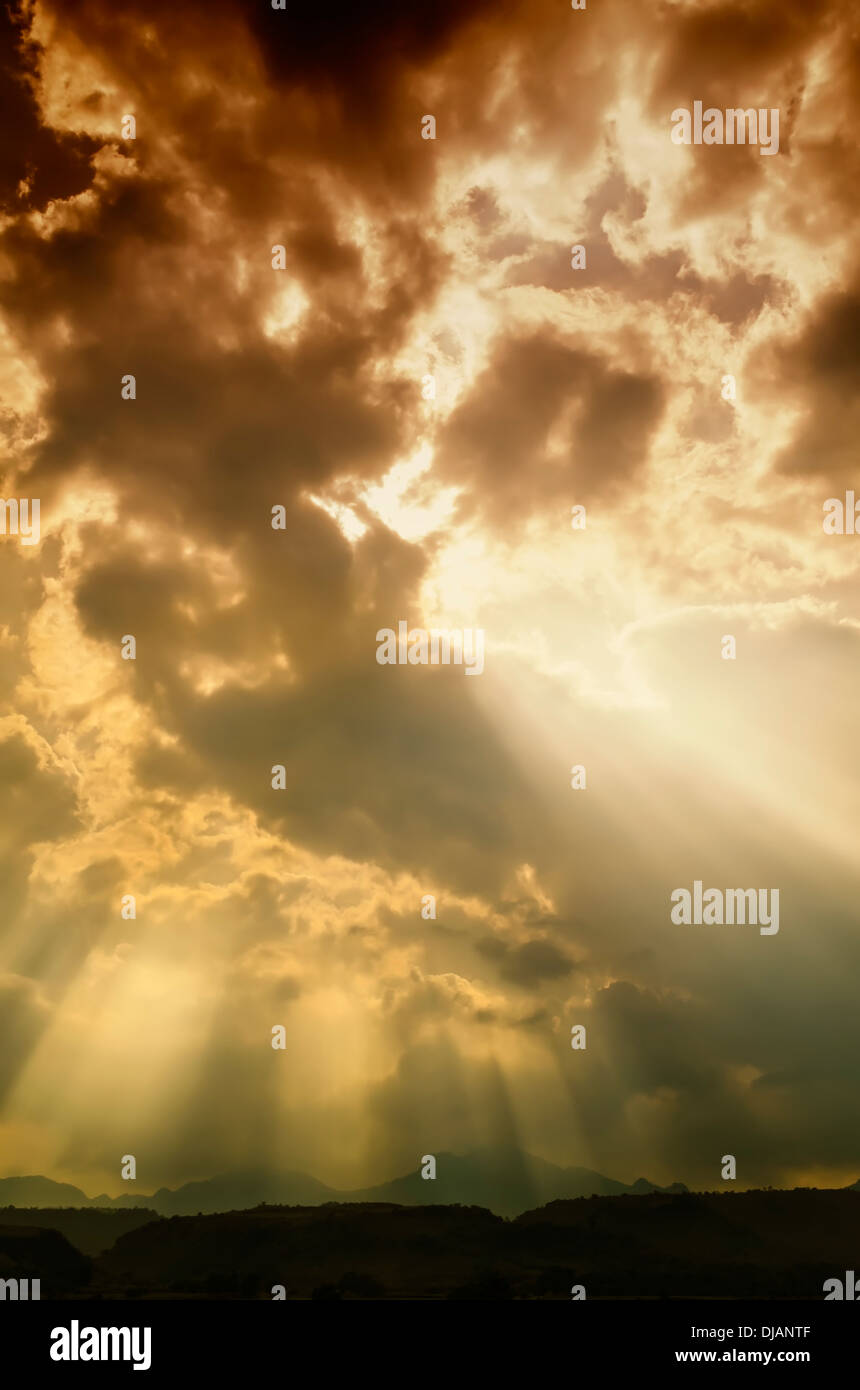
point(302, 387)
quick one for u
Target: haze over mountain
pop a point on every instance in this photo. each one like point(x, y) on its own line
point(505, 1180)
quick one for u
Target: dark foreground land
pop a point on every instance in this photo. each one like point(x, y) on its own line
point(766, 1244)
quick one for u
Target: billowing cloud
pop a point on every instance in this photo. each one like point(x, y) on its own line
point(428, 903)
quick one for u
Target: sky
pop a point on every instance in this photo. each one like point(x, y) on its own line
point(693, 387)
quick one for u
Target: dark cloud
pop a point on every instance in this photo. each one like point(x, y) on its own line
point(822, 370)
point(37, 164)
point(546, 421)
point(529, 963)
point(356, 49)
point(742, 43)
point(419, 781)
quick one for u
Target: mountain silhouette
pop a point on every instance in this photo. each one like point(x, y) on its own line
point(42, 1192)
point(503, 1179)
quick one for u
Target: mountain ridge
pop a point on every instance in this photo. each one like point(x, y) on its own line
point(506, 1180)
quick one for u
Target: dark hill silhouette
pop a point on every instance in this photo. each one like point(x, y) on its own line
point(90, 1229)
point(29, 1252)
point(656, 1245)
point(505, 1179)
